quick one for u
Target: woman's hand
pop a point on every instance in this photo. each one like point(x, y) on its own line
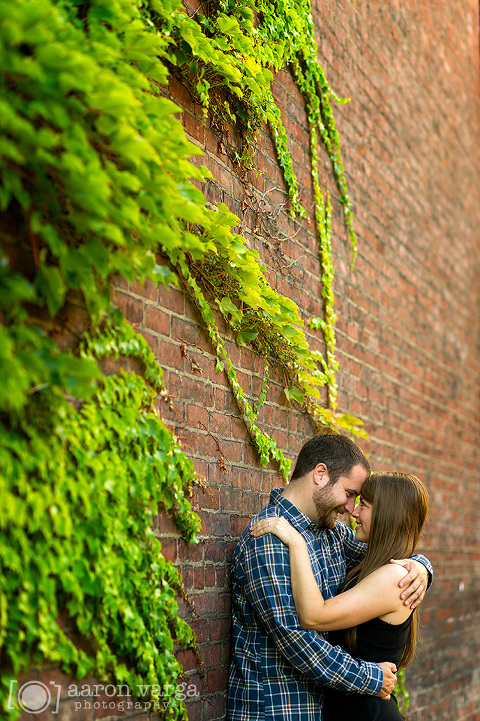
point(277, 525)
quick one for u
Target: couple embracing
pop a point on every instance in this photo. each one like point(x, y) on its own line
point(300, 578)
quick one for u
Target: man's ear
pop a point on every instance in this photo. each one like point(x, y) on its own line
point(320, 475)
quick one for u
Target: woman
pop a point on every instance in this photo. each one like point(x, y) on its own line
point(377, 625)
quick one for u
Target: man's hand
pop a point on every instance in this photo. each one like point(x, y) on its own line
point(415, 582)
point(389, 679)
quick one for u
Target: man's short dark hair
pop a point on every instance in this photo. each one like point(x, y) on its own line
point(339, 453)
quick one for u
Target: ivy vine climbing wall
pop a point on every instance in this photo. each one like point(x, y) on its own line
point(96, 183)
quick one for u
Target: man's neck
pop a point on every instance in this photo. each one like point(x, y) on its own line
point(296, 493)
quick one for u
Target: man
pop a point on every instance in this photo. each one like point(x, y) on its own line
point(277, 668)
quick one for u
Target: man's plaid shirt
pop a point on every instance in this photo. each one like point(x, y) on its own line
point(278, 669)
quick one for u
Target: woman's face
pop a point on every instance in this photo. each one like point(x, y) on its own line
point(363, 516)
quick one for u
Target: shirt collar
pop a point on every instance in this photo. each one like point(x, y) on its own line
point(290, 511)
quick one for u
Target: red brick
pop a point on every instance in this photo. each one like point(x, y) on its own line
point(132, 308)
point(219, 629)
point(169, 549)
point(157, 320)
point(163, 524)
point(217, 679)
point(147, 290)
point(183, 332)
point(180, 93)
point(208, 498)
point(171, 298)
point(210, 576)
point(194, 710)
point(216, 524)
point(152, 341)
point(239, 523)
point(194, 128)
point(188, 659)
point(212, 655)
point(197, 417)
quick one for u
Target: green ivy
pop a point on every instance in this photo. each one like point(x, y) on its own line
point(401, 691)
point(96, 183)
point(79, 492)
point(233, 54)
point(265, 445)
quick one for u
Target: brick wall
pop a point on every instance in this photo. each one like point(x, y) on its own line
point(407, 328)
point(407, 331)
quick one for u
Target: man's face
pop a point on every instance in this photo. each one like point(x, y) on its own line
point(333, 499)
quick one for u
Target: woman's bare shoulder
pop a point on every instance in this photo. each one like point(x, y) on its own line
point(389, 573)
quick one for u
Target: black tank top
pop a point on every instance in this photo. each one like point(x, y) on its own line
point(377, 641)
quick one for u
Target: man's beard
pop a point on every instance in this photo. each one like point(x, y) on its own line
point(324, 499)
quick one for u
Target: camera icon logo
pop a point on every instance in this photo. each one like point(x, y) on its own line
point(34, 696)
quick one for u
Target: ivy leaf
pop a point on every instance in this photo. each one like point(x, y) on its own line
point(294, 394)
point(182, 58)
point(78, 376)
point(227, 25)
point(51, 286)
point(228, 307)
point(162, 274)
point(246, 336)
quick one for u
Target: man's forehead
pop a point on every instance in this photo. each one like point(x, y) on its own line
point(356, 478)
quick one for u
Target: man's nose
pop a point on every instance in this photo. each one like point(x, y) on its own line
point(350, 506)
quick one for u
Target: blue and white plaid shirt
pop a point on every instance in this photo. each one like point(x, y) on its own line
point(278, 670)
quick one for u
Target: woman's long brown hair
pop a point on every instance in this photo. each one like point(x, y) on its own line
point(400, 506)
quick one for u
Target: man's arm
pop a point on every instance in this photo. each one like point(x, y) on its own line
point(417, 581)
point(266, 579)
point(373, 596)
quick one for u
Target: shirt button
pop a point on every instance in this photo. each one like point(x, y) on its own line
point(313, 527)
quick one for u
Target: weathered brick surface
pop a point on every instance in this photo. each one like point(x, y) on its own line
point(407, 330)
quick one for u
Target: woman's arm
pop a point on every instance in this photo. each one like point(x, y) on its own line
point(375, 595)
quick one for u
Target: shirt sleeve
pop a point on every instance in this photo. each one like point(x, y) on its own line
point(266, 579)
point(421, 559)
